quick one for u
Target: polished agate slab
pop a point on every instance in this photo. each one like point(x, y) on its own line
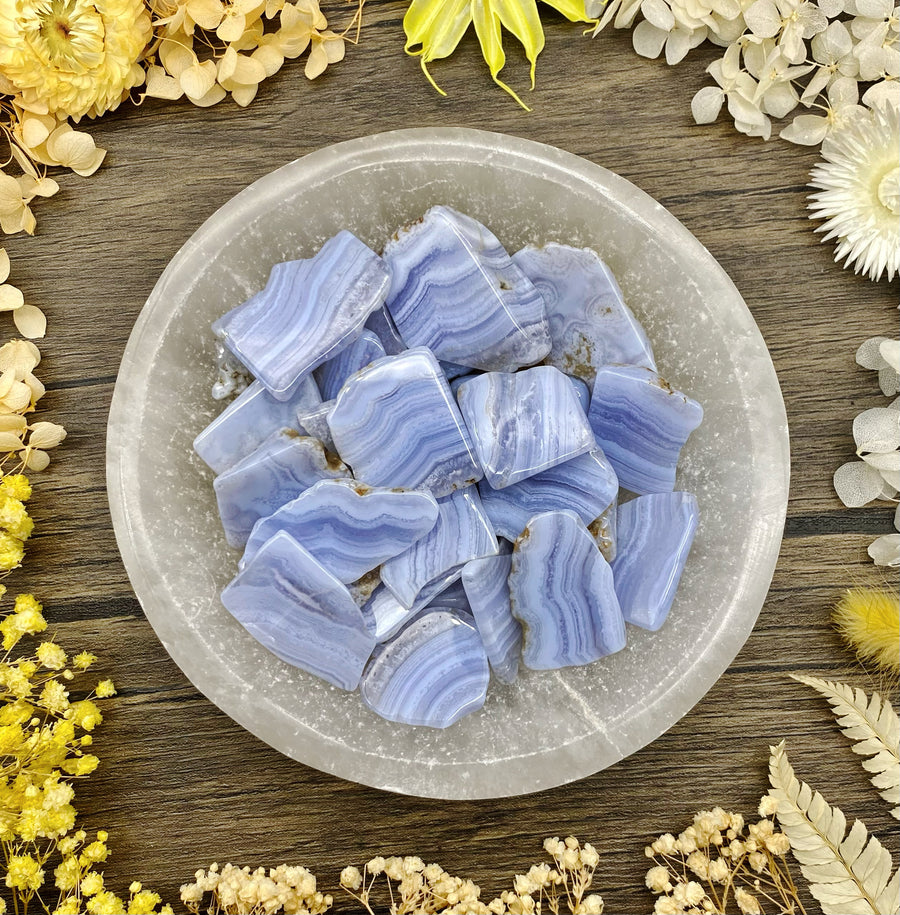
point(300, 612)
point(455, 290)
point(331, 375)
point(561, 590)
point(250, 419)
point(350, 528)
point(582, 391)
point(641, 423)
point(590, 324)
point(432, 673)
point(307, 313)
point(396, 424)
point(314, 422)
point(279, 470)
point(523, 423)
point(453, 597)
point(586, 485)
point(655, 533)
point(382, 325)
point(384, 615)
point(486, 586)
point(462, 533)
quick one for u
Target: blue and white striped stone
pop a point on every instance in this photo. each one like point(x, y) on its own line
point(396, 424)
point(582, 391)
point(350, 528)
point(382, 325)
point(655, 536)
point(281, 468)
point(385, 615)
point(300, 612)
point(586, 485)
point(434, 562)
point(641, 423)
point(250, 419)
point(487, 588)
point(432, 673)
point(314, 422)
point(455, 290)
point(523, 423)
point(561, 590)
point(590, 324)
point(331, 375)
point(308, 312)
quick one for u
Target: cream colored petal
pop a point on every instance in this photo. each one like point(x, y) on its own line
point(335, 47)
point(18, 397)
point(231, 28)
point(75, 150)
point(44, 187)
point(885, 551)
point(30, 321)
point(226, 66)
point(161, 85)
point(177, 55)
point(206, 13)
point(213, 97)
point(269, 57)
point(889, 350)
point(13, 422)
point(11, 298)
point(36, 461)
point(198, 80)
point(36, 385)
point(46, 435)
point(7, 380)
point(857, 484)
point(4, 265)
point(9, 441)
point(10, 196)
point(36, 129)
point(18, 357)
point(243, 95)
point(876, 430)
point(317, 61)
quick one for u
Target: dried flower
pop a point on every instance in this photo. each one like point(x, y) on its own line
point(869, 621)
point(859, 192)
point(241, 890)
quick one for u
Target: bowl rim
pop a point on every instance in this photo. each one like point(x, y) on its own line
point(770, 434)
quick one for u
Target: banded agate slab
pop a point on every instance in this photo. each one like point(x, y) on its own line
point(287, 601)
point(561, 590)
point(350, 528)
point(432, 673)
point(456, 290)
point(331, 375)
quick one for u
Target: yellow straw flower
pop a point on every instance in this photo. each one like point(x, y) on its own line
point(869, 621)
point(73, 57)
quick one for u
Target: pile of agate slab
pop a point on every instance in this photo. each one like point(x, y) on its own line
point(424, 476)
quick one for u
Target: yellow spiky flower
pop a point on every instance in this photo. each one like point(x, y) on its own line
point(73, 57)
point(869, 621)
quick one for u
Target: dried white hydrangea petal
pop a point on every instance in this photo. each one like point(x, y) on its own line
point(890, 352)
point(876, 430)
point(885, 551)
point(892, 483)
point(857, 484)
point(869, 353)
point(882, 462)
point(706, 104)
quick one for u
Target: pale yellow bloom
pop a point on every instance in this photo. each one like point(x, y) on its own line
point(73, 57)
point(51, 656)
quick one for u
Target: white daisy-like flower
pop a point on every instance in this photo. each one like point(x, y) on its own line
point(859, 192)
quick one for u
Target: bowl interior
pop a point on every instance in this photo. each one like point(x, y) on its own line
point(550, 727)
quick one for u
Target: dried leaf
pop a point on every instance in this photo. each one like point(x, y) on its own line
point(849, 873)
point(875, 727)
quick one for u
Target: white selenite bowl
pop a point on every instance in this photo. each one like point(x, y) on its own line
point(549, 728)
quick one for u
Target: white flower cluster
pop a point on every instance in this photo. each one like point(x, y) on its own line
point(877, 436)
point(779, 54)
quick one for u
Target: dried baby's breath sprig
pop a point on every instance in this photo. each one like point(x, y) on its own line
point(874, 727)
point(234, 890)
point(721, 864)
point(847, 872)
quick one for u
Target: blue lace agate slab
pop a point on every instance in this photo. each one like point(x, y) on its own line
point(384, 614)
point(586, 485)
point(455, 290)
point(432, 673)
point(350, 528)
point(590, 324)
point(279, 470)
point(523, 423)
point(300, 612)
point(434, 562)
point(250, 419)
point(314, 422)
point(331, 375)
point(382, 325)
point(583, 392)
point(396, 424)
point(561, 590)
point(487, 588)
point(655, 536)
point(307, 313)
point(641, 423)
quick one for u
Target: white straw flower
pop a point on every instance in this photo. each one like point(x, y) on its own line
point(859, 192)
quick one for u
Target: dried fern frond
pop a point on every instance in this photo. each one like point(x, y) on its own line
point(875, 727)
point(849, 874)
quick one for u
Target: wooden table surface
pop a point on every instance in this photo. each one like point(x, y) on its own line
point(180, 785)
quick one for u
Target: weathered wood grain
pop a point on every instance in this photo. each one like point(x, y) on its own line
point(181, 785)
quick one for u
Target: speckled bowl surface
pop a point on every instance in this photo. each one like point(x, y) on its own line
point(550, 727)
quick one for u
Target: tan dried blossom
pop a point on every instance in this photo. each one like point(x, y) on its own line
point(29, 319)
point(734, 865)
